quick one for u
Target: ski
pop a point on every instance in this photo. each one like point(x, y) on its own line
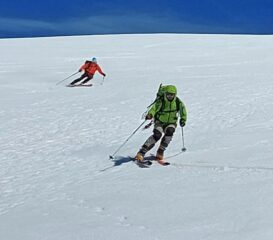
point(148, 161)
point(164, 163)
point(161, 162)
point(144, 164)
point(80, 85)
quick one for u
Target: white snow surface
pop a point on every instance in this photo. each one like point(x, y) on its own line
point(56, 179)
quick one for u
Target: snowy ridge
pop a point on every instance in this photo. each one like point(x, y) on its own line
point(56, 178)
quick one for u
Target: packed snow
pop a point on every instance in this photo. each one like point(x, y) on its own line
point(56, 179)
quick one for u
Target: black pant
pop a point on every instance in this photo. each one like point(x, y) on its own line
point(85, 75)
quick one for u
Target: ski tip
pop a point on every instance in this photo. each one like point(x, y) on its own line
point(164, 163)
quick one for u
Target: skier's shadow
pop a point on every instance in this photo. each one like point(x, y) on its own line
point(118, 161)
point(121, 160)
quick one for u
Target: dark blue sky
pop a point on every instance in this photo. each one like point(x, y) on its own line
point(23, 18)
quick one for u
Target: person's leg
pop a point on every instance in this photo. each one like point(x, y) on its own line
point(169, 131)
point(89, 77)
point(150, 142)
point(79, 79)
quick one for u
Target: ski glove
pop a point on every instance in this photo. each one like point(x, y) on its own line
point(104, 74)
point(148, 117)
point(182, 123)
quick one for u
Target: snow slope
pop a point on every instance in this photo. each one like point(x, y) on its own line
point(56, 179)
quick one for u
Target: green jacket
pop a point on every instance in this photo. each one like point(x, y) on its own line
point(167, 111)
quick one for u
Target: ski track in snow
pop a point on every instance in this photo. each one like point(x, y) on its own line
point(55, 141)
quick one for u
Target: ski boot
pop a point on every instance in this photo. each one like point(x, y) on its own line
point(139, 157)
point(159, 154)
point(160, 157)
point(141, 162)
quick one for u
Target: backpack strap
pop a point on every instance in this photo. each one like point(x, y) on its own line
point(177, 101)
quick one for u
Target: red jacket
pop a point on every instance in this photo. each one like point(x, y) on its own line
point(90, 68)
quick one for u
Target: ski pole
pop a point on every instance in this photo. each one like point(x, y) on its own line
point(183, 148)
point(156, 97)
point(113, 155)
point(102, 81)
point(66, 78)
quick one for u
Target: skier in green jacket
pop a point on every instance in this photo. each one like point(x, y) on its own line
point(164, 111)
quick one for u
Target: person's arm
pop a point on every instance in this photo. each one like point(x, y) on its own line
point(83, 67)
point(154, 108)
point(100, 71)
point(183, 114)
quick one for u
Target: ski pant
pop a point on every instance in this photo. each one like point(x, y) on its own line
point(85, 75)
point(159, 129)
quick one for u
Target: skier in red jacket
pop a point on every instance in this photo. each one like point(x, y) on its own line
point(90, 67)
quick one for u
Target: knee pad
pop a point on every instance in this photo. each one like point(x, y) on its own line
point(157, 134)
point(169, 131)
